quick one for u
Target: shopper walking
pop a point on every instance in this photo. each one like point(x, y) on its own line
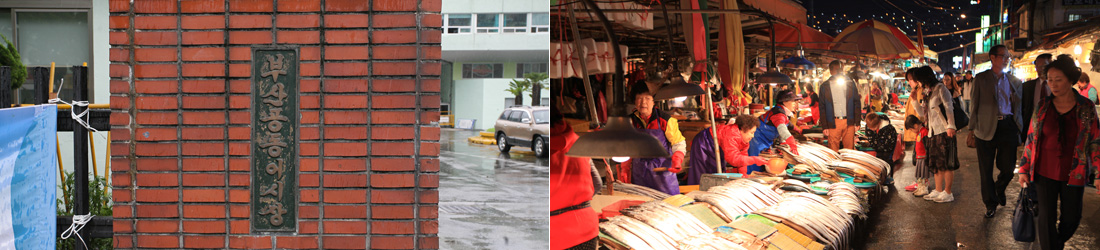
point(1058, 154)
point(996, 126)
point(943, 157)
point(840, 108)
point(573, 225)
point(967, 83)
point(1035, 90)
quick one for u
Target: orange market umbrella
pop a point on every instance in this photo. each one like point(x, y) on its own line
point(872, 42)
point(875, 24)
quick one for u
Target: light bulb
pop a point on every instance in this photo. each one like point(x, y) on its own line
point(681, 99)
point(620, 159)
point(1077, 49)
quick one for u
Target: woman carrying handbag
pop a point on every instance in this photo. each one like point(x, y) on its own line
point(1058, 154)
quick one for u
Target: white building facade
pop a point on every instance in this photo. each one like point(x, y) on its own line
point(487, 44)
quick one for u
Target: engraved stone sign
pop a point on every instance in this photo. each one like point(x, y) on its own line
point(274, 139)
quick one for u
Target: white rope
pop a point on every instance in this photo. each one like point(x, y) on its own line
point(79, 221)
point(72, 110)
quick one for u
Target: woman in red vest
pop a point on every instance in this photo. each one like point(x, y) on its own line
point(573, 224)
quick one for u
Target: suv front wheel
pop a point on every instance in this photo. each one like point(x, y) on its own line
point(502, 143)
point(539, 146)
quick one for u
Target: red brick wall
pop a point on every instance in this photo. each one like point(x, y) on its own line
point(180, 122)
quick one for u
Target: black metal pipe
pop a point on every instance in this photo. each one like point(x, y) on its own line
point(41, 77)
point(618, 104)
point(80, 150)
point(6, 97)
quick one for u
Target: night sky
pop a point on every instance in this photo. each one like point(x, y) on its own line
point(937, 16)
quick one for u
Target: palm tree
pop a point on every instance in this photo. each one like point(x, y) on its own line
point(536, 79)
point(517, 87)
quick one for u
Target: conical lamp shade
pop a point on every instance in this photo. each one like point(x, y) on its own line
point(796, 62)
point(617, 139)
point(773, 76)
point(678, 88)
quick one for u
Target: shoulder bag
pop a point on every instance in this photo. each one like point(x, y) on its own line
point(1023, 217)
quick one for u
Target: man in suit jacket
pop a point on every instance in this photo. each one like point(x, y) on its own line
point(995, 122)
point(1033, 91)
point(840, 108)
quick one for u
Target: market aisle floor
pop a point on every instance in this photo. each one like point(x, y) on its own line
point(908, 222)
point(489, 200)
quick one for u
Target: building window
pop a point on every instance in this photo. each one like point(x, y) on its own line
point(1073, 17)
point(540, 22)
point(42, 36)
point(515, 23)
point(458, 24)
point(482, 70)
point(524, 68)
point(488, 23)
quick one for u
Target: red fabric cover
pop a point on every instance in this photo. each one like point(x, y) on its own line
point(735, 150)
point(571, 182)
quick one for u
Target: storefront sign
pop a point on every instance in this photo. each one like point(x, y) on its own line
point(274, 139)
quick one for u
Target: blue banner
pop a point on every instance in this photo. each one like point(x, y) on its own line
point(28, 177)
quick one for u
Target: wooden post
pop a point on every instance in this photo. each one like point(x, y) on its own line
point(80, 151)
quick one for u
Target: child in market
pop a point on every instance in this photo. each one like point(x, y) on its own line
point(922, 171)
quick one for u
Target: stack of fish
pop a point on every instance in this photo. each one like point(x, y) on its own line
point(658, 225)
point(639, 190)
point(845, 196)
point(821, 218)
point(873, 163)
point(636, 234)
point(709, 242)
point(814, 155)
point(738, 197)
point(671, 221)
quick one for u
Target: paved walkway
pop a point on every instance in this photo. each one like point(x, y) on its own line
point(907, 222)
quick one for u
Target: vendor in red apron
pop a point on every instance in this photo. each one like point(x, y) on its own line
point(775, 127)
point(656, 173)
point(573, 224)
point(733, 142)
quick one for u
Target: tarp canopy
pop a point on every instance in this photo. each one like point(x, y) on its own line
point(784, 9)
point(787, 36)
point(875, 24)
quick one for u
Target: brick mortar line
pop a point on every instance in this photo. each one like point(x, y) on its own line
point(320, 128)
point(132, 126)
point(416, 129)
point(227, 93)
point(370, 77)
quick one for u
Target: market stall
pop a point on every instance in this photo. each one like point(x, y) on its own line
point(810, 198)
point(818, 202)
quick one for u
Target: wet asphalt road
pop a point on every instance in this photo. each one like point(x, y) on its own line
point(908, 222)
point(489, 200)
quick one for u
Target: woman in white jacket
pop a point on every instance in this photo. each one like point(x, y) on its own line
point(942, 147)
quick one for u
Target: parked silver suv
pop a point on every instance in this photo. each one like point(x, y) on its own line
point(524, 126)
